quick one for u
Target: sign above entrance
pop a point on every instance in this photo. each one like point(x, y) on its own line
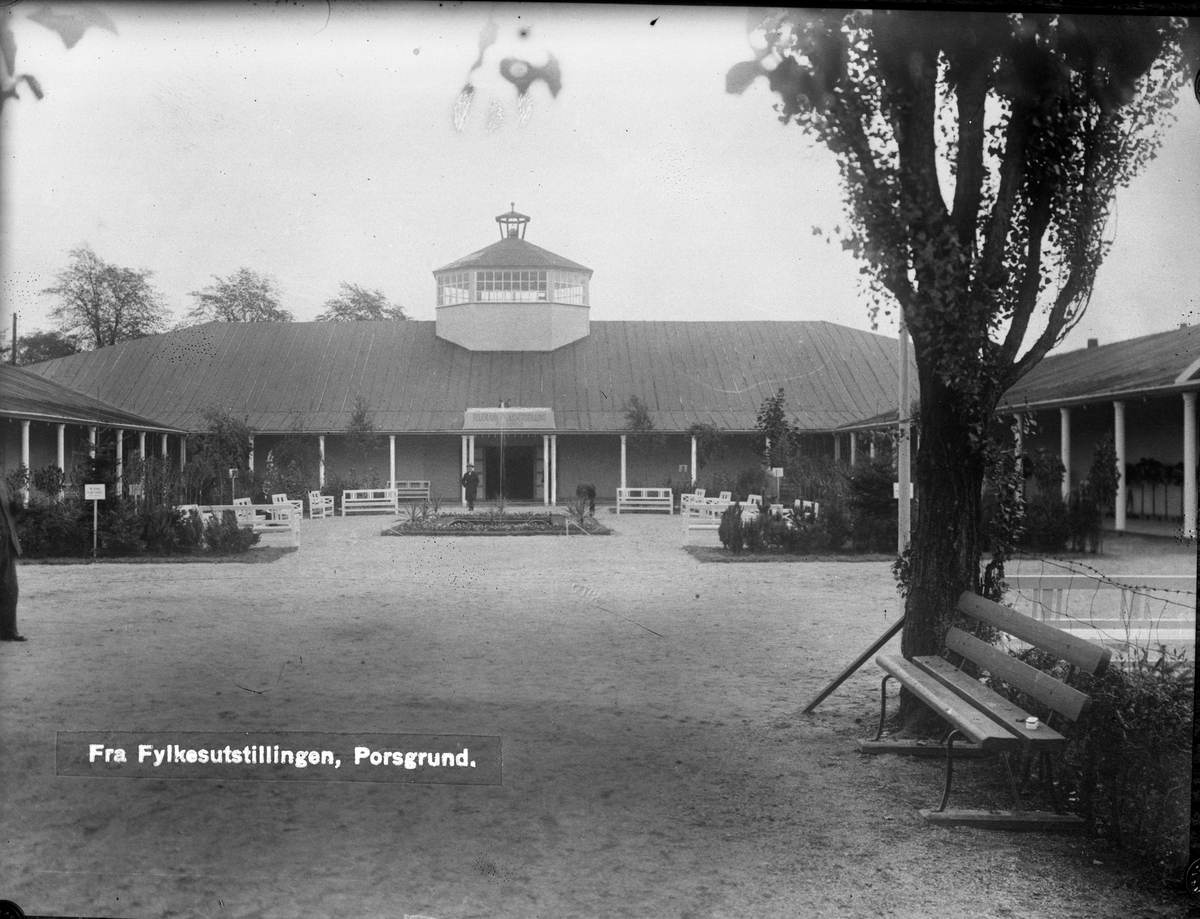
point(508, 419)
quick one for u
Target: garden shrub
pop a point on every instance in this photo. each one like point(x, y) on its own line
point(730, 530)
point(121, 529)
point(835, 523)
point(54, 529)
point(1127, 766)
point(224, 537)
point(873, 511)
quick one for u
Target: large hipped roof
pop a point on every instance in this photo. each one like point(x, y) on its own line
point(307, 375)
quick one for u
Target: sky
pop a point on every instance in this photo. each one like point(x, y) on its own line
point(317, 143)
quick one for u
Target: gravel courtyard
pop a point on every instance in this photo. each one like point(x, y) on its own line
point(656, 763)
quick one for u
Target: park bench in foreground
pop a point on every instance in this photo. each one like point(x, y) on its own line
point(991, 722)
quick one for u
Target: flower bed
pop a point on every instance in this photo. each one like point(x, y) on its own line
point(498, 525)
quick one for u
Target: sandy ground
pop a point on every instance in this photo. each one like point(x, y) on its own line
point(645, 775)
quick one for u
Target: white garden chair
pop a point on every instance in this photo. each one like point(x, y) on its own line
point(319, 505)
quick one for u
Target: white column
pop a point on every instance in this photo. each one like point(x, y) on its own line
point(693, 461)
point(554, 469)
point(120, 461)
point(872, 443)
point(62, 448)
point(25, 457)
point(546, 469)
point(462, 489)
point(164, 446)
point(1122, 497)
point(250, 458)
point(142, 446)
point(853, 448)
point(392, 460)
point(182, 450)
point(471, 449)
point(1189, 465)
point(92, 441)
point(1065, 450)
point(623, 461)
point(837, 447)
point(321, 447)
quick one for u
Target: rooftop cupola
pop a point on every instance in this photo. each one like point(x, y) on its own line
point(512, 295)
point(512, 224)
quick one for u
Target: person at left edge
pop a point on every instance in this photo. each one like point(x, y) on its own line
point(10, 548)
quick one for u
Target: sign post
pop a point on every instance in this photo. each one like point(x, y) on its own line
point(95, 494)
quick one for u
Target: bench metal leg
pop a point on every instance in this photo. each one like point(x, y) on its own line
point(882, 704)
point(1048, 777)
point(1012, 781)
point(949, 769)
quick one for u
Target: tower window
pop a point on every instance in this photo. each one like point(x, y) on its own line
point(510, 285)
point(454, 287)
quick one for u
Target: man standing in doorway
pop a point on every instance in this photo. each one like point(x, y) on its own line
point(10, 548)
point(470, 482)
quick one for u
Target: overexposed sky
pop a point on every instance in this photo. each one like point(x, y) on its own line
point(316, 143)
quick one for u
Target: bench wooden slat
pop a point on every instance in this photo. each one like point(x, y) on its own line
point(981, 729)
point(1085, 655)
point(992, 704)
point(1064, 699)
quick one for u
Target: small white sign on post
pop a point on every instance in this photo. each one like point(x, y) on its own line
point(95, 494)
point(777, 472)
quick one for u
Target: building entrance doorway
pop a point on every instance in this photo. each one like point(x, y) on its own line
point(519, 477)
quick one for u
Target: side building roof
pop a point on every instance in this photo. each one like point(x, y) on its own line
point(306, 376)
point(1150, 365)
point(28, 395)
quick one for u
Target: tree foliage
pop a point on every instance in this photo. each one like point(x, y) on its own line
point(780, 435)
point(244, 296)
point(357, 304)
point(979, 156)
point(361, 434)
point(44, 346)
point(102, 304)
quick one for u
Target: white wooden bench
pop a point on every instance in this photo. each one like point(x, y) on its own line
point(645, 499)
point(411, 490)
point(1140, 619)
point(367, 500)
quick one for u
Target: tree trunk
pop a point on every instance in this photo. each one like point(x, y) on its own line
point(946, 540)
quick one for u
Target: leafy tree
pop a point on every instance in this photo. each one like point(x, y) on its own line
point(780, 443)
point(360, 431)
point(979, 156)
point(643, 436)
point(357, 304)
point(709, 442)
point(44, 346)
point(224, 445)
point(244, 296)
point(102, 304)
